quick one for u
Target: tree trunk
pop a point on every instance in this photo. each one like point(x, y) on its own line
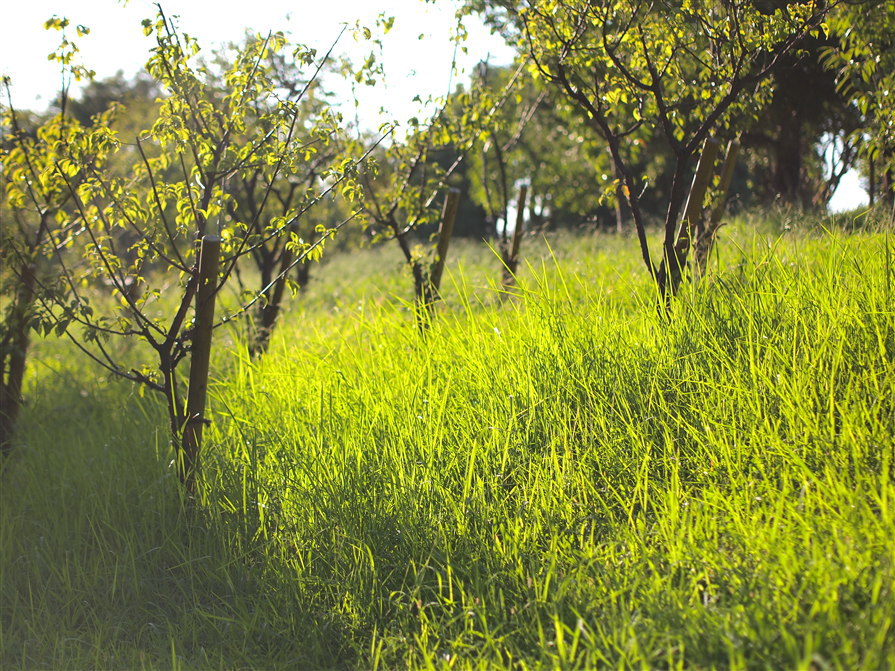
point(619, 196)
point(871, 183)
point(303, 275)
point(669, 273)
point(887, 188)
point(425, 295)
point(707, 232)
point(510, 248)
point(678, 239)
point(12, 374)
point(270, 310)
point(209, 258)
point(786, 180)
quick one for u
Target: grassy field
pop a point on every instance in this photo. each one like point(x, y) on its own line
point(559, 478)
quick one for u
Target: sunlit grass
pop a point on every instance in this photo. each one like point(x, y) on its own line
point(560, 477)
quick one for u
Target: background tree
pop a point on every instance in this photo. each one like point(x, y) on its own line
point(402, 191)
point(685, 69)
point(534, 140)
point(202, 140)
point(791, 140)
point(40, 156)
point(263, 196)
point(401, 202)
point(864, 63)
point(136, 97)
point(35, 202)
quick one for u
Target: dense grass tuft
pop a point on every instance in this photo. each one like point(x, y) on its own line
point(561, 477)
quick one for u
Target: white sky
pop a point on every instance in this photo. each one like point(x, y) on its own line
point(413, 66)
point(850, 194)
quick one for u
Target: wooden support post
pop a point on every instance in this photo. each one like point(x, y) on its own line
point(730, 160)
point(520, 224)
point(445, 231)
point(19, 339)
point(693, 210)
point(705, 236)
point(678, 248)
point(871, 182)
point(209, 261)
point(511, 258)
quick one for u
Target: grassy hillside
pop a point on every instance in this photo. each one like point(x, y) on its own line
point(560, 478)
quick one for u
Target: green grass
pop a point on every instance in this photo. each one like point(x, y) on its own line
point(559, 479)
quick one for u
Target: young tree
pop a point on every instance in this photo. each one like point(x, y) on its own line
point(143, 228)
point(686, 69)
point(535, 140)
point(39, 160)
point(403, 200)
point(864, 63)
point(36, 169)
point(264, 195)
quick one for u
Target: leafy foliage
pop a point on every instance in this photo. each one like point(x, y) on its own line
point(215, 130)
point(865, 66)
point(685, 68)
point(38, 168)
point(401, 189)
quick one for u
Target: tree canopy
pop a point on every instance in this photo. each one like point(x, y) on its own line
point(684, 70)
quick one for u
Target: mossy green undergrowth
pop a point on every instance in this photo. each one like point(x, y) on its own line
point(559, 477)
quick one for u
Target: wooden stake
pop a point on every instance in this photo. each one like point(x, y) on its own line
point(511, 260)
point(448, 216)
point(730, 160)
point(693, 209)
point(209, 261)
point(705, 234)
point(871, 182)
point(520, 223)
